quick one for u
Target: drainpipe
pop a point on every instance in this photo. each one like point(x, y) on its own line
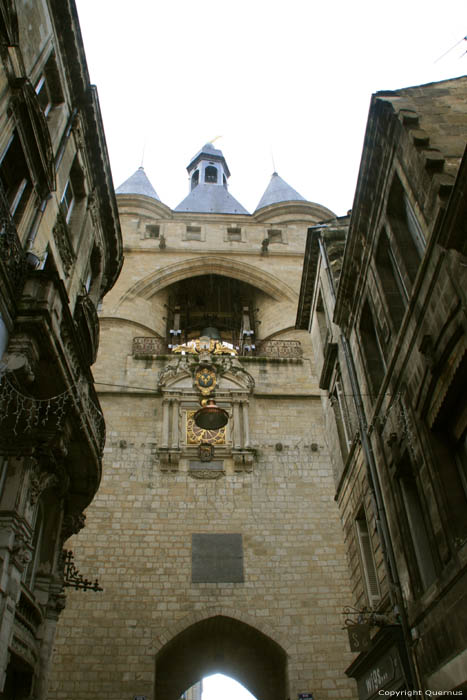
point(375, 488)
point(36, 222)
point(3, 338)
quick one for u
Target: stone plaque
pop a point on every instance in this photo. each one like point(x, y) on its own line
point(216, 558)
point(217, 465)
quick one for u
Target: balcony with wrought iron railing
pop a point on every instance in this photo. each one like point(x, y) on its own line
point(12, 255)
point(144, 347)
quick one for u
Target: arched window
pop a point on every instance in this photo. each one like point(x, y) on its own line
point(210, 174)
point(194, 179)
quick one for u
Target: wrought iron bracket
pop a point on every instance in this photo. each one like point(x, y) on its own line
point(366, 616)
point(73, 579)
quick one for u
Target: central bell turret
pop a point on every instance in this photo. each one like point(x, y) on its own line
point(208, 172)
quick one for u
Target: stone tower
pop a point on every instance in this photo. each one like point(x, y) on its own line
point(218, 550)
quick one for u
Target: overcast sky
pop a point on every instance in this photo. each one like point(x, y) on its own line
point(288, 82)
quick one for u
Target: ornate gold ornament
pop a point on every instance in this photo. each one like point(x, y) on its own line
point(196, 435)
point(214, 347)
point(205, 380)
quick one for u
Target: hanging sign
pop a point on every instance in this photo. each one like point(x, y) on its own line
point(359, 637)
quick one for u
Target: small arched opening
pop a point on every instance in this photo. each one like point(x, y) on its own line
point(194, 179)
point(221, 645)
point(210, 174)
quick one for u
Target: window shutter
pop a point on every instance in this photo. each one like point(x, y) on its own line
point(369, 569)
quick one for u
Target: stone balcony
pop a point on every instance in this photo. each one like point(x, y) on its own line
point(47, 396)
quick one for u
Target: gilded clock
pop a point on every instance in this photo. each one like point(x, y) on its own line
point(195, 435)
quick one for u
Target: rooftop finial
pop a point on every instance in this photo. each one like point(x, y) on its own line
point(273, 163)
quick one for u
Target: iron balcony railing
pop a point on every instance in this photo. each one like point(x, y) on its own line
point(285, 349)
point(12, 255)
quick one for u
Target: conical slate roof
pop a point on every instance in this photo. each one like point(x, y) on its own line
point(279, 191)
point(138, 183)
point(206, 198)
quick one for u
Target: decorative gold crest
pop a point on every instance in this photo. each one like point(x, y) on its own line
point(206, 452)
point(205, 380)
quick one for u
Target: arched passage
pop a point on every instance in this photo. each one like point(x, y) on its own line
point(221, 645)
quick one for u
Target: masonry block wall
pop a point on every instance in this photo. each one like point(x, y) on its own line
point(139, 531)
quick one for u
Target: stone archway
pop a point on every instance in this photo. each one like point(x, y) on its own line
point(221, 644)
point(210, 264)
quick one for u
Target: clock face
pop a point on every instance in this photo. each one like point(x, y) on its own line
point(196, 435)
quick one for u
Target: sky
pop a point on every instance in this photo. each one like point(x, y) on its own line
point(220, 687)
point(285, 86)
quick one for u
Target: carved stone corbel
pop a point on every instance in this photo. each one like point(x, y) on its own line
point(243, 460)
point(21, 552)
point(39, 481)
point(49, 470)
point(71, 525)
point(55, 605)
point(169, 459)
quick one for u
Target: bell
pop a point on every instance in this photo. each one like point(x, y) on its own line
point(211, 332)
point(211, 417)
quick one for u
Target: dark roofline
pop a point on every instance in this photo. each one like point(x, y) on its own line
point(83, 95)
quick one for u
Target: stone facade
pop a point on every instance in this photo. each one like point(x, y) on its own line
point(389, 338)
point(60, 251)
point(225, 557)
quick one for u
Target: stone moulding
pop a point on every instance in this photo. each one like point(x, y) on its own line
point(206, 473)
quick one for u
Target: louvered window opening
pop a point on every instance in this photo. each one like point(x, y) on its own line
point(368, 563)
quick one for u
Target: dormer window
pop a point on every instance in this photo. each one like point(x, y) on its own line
point(152, 231)
point(194, 179)
point(210, 174)
point(275, 235)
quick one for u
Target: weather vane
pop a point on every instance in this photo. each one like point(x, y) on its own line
point(464, 38)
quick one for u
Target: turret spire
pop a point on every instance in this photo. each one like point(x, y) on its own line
point(138, 183)
point(279, 191)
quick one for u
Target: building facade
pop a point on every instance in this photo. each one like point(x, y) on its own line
point(60, 252)
point(218, 550)
point(384, 299)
